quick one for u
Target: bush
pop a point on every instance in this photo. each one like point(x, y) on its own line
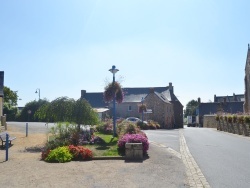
point(240, 119)
point(234, 118)
point(80, 152)
point(153, 124)
point(217, 118)
point(143, 126)
point(134, 138)
point(247, 119)
point(229, 119)
point(105, 127)
point(127, 127)
point(60, 154)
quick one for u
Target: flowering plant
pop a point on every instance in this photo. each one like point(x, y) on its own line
point(80, 152)
point(110, 90)
point(134, 138)
point(142, 108)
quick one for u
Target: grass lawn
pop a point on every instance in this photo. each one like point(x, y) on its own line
point(107, 148)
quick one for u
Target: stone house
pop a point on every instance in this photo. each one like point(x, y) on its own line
point(221, 104)
point(163, 105)
point(1, 92)
point(247, 83)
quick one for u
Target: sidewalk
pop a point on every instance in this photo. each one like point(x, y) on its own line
point(24, 169)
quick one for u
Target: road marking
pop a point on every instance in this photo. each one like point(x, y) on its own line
point(195, 176)
point(172, 151)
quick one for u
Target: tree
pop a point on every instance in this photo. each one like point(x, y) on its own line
point(10, 103)
point(191, 108)
point(10, 96)
point(64, 109)
point(33, 106)
point(83, 113)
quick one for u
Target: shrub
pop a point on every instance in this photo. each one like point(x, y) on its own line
point(127, 127)
point(134, 138)
point(240, 119)
point(229, 119)
point(105, 127)
point(234, 118)
point(80, 152)
point(225, 118)
point(143, 126)
point(60, 154)
point(217, 117)
point(247, 119)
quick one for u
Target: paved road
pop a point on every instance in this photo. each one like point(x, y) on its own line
point(33, 127)
point(222, 157)
point(169, 138)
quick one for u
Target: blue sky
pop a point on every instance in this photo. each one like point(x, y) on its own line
point(62, 47)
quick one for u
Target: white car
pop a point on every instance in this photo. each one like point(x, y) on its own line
point(135, 120)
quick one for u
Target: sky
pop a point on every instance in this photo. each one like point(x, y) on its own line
point(62, 47)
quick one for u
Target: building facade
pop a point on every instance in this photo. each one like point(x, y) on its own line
point(162, 104)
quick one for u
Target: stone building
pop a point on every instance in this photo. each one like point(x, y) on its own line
point(247, 83)
point(221, 105)
point(162, 104)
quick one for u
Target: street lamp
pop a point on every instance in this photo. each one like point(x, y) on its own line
point(38, 92)
point(142, 99)
point(113, 71)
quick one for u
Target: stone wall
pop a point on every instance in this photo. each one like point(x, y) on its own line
point(163, 112)
point(209, 121)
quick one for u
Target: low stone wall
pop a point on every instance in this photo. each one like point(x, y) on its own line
point(209, 121)
point(222, 125)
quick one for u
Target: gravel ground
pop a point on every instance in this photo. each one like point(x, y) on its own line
point(25, 169)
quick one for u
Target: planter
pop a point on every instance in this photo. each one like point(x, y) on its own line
point(134, 151)
point(232, 128)
point(244, 128)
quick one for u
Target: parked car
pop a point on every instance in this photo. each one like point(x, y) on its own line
point(135, 120)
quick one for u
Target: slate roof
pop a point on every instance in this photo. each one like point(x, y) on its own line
point(228, 107)
point(136, 94)
point(1, 83)
point(233, 98)
point(95, 99)
point(130, 95)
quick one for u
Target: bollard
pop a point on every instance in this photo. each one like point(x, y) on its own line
point(7, 146)
point(26, 129)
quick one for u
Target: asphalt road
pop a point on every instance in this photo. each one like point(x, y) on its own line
point(33, 127)
point(222, 157)
point(168, 138)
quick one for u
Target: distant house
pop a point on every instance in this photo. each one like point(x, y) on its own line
point(163, 106)
point(222, 104)
point(1, 92)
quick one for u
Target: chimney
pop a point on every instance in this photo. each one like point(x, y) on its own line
point(171, 87)
point(234, 97)
point(83, 93)
point(199, 100)
point(215, 98)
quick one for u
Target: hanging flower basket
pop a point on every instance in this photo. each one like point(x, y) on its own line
point(109, 91)
point(142, 108)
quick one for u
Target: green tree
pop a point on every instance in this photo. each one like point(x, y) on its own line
point(10, 103)
point(33, 106)
point(191, 108)
point(84, 114)
point(10, 96)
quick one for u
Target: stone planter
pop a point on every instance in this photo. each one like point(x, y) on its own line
point(245, 131)
point(232, 128)
point(239, 128)
point(133, 151)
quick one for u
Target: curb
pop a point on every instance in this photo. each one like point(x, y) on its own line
point(109, 158)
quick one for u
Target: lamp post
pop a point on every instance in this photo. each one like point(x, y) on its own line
point(113, 71)
point(142, 99)
point(38, 92)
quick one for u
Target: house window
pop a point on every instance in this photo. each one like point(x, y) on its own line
point(129, 108)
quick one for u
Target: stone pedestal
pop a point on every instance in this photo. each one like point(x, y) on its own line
point(134, 151)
